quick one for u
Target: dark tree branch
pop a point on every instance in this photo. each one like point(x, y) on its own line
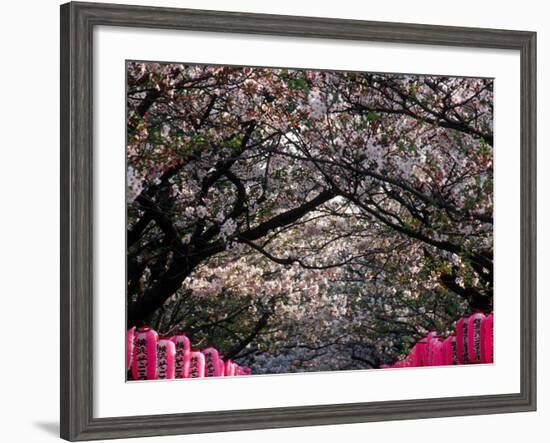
point(184, 264)
point(261, 324)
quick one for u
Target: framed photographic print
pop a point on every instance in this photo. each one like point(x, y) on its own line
point(292, 221)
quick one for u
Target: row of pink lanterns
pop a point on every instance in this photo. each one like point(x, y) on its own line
point(151, 358)
point(471, 343)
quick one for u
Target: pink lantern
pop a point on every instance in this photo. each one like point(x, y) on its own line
point(432, 348)
point(166, 355)
point(487, 339)
point(144, 365)
point(196, 368)
point(418, 354)
point(449, 351)
point(422, 352)
point(183, 355)
point(417, 357)
point(474, 337)
point(221, 367)
point(229, 368)
point(412, 358)
point(436, 352)
point(211, 358)
point(130, 347)
point(462, 341)
point(440, 354)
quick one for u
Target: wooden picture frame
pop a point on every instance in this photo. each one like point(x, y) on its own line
point(77, 23)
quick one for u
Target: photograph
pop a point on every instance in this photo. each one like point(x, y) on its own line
point(264, 222)
point(283, 220)
point(287, 218)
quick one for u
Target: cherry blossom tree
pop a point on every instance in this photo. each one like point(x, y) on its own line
point(306, 220)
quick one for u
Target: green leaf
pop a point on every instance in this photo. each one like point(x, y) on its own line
point(373, 116)
point(298, 84)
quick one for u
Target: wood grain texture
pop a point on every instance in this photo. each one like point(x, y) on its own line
point(77, 23)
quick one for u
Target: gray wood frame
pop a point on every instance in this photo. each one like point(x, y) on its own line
point(77, 24)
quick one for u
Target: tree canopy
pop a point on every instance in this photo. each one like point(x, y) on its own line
point(307, 220)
